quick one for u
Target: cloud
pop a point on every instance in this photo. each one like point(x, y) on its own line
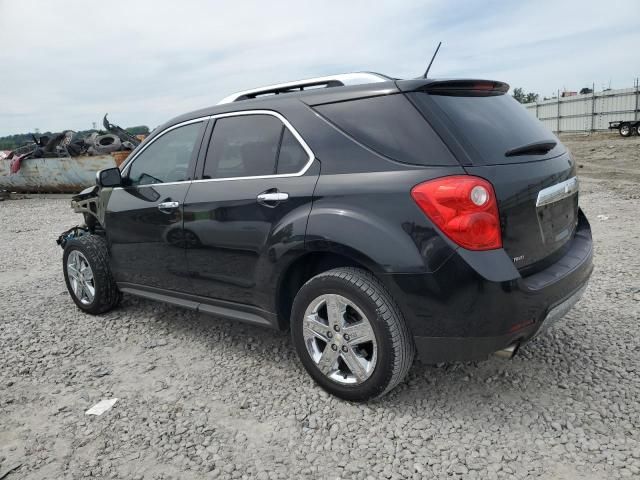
point(66, 63)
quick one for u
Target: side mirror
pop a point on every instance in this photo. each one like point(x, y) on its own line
point(109, 177)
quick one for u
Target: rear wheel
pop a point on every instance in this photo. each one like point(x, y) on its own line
point(87, 274)
point(350, 335)
point(625, 130)
point(638, 129)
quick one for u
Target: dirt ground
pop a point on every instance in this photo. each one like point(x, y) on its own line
point(609, 157)
point(200, 397)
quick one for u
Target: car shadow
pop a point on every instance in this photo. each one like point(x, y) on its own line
point(538, 375)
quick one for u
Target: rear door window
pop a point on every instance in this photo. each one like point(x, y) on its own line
point(390, 125)
point(253, 145)
point(490, 126)
point(243, 146)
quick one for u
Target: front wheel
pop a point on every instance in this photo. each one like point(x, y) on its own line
point(88, 276)
point(350, 335)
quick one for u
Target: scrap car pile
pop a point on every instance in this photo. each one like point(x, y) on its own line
point(68, 144)
point(66, 161)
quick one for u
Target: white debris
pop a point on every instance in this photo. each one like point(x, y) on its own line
point(603, 217)
point(101, 407)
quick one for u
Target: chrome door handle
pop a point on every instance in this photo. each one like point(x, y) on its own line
point(273, 197)
point(166, 207)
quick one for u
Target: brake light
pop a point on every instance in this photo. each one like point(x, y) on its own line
point(467, 88)
point(464, 208)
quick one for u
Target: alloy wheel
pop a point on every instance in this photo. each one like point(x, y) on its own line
point(339, 339)
point(81, 277)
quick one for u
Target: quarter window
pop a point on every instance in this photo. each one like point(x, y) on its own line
point(252, 145)
point(167, 158)
point(292, 157)
point(391, 126)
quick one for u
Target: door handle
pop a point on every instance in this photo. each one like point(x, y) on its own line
point(167, 207)
point(269, 199)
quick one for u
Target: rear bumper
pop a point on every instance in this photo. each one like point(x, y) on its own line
point(477, 302)
point(439, 349)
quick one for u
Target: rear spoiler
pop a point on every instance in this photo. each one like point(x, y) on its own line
point(458, 88)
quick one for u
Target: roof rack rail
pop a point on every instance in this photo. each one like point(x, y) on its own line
point(341, 80)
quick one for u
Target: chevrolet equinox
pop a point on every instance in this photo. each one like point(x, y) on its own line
point(375, 218)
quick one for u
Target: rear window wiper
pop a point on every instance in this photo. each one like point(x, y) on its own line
point(536, 148)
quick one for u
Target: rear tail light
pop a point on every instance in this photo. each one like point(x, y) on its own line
point(464, 208)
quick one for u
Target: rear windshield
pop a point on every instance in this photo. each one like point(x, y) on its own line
point(391, 126)
point(490, 126)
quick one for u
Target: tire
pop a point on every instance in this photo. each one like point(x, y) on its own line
point(381, 364)
point(638, 129)
point(94, 290)
point(625, 130)
point(107, 143)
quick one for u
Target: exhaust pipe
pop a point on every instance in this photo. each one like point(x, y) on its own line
point(507, 352)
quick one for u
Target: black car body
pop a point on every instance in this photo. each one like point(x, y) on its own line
point(268, 192)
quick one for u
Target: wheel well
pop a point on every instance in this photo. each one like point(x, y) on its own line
point(300, 271)
point(92, 223)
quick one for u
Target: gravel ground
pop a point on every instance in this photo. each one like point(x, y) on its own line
point(200, 397)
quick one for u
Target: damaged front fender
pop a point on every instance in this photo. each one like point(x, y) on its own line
point(86, 203)
point(92, 203)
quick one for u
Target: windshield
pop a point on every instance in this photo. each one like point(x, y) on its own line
point(490, 127)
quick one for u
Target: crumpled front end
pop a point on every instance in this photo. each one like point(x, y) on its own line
point(90, 203)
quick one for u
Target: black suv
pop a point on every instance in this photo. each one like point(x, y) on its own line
point(374, 217)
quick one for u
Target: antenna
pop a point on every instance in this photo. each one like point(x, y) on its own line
point(432, 59)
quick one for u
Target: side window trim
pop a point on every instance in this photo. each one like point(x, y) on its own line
point(191, 163)
point(286, 124)
point(208, 131)
point(125, 168)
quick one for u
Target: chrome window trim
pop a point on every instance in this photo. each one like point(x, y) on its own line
point(557, 192)
point(287, 125)
point(129, 161)
point(280, 117)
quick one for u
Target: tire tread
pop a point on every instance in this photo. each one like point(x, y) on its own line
point(94, 247)
point(388, 310)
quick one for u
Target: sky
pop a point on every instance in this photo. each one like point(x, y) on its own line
point(64, 64)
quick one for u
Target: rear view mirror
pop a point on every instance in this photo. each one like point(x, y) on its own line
point(109, 177)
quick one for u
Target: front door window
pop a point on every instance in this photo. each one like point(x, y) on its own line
point(167, 158)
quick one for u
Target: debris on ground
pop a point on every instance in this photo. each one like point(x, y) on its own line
point(101, 407)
